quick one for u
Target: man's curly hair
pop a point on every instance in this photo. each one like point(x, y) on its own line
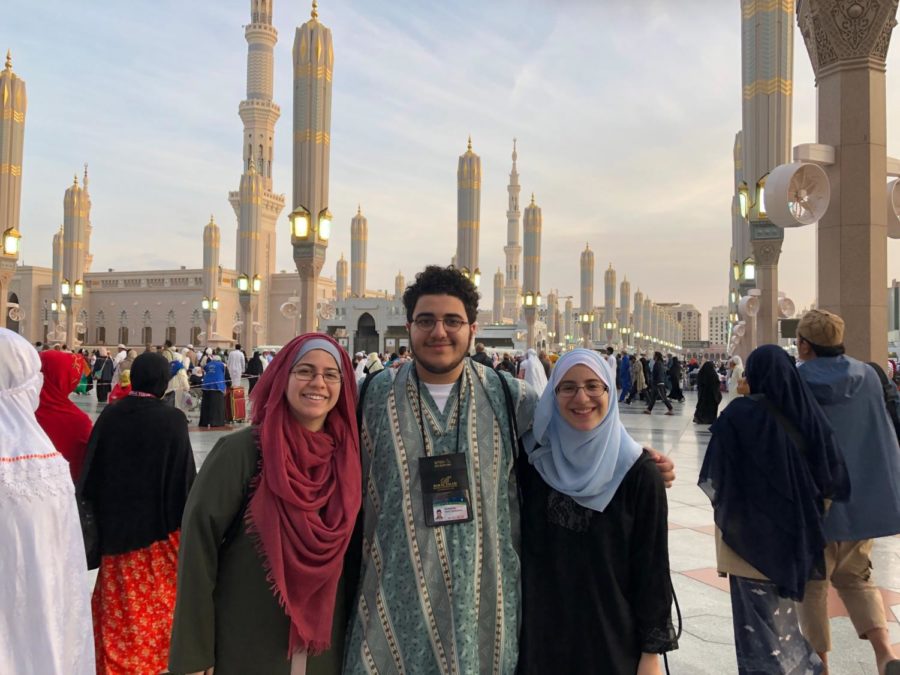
point(436, 280)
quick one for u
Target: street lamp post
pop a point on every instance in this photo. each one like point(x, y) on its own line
point(210, 308)
point(71, 294)
point(586, 321)
point(530, 303)
point(310, 240)
point(9, 257)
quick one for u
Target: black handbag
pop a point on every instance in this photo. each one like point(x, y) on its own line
point(90, 531)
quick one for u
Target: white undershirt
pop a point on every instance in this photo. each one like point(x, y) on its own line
point(440, 393)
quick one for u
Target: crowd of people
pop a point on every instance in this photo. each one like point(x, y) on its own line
point(431, 511)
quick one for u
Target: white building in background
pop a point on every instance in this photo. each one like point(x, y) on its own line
point(689, 318)
point(718, 325)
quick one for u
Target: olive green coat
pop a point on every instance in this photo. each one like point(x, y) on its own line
point(226, 614)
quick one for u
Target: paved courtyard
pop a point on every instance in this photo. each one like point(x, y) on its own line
point(706, 646)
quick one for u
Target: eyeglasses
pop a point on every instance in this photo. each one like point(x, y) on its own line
point(307, 374)
point(592, 389)
point(427, 323)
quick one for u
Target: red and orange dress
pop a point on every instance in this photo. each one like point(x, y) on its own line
point(139, 470)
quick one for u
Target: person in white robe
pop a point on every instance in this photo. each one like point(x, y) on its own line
point(533, 372)
point(237, 362)
point(45, 611)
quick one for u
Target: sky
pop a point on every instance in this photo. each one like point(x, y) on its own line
point(625, 115)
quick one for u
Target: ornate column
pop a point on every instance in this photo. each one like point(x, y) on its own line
point(848, 44)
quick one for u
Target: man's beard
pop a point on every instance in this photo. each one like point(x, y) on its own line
point(437, 370)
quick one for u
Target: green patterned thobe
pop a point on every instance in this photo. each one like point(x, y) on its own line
point(442, 600)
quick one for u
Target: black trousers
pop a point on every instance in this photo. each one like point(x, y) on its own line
point(658, 393)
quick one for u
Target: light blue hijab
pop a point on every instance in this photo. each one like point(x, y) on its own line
point(586, 465)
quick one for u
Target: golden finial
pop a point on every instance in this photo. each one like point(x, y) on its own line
point(76, 179)
point(315, 11)
point(211, 221)
point(358, 209)
point(470, 143)
point(8, 60)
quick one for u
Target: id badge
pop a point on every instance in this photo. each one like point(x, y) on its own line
point(445, 489)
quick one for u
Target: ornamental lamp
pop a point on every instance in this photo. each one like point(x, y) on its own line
point(11, 241)
point(215, 304)
point(529, 299)
point(257, 283)
point(476, 277)
point(79, 288)
point(65, 287)
point(749, 269)
point(243, 283)
point(204, 304)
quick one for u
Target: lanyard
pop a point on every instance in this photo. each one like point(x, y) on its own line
point(421, 421)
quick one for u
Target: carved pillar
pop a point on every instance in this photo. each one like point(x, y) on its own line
point(848, 42)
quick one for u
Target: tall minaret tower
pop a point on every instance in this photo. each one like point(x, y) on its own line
point(341, 279)
point(767, 65)
point(531, 284)
point(512, 290)
point(211, 240)
point(257, 208)
point(359, 241)
point(624, 309)
point(587, 293)
point(399, 285)
point(638, 326)
point(609, 307)
point(56, 277)
point(468, 212)
point(499, 306)
point(13, 101)
point(76, 244)
point(313, 67)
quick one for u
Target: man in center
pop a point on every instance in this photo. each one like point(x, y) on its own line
point(440, 594)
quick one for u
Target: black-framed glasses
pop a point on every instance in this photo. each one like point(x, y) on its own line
point(592, 389)
point(307, 373)
point(427, 323)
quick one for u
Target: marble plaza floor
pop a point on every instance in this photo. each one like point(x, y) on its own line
point(706, 645)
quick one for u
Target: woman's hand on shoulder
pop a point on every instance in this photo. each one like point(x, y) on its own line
point(665, 465)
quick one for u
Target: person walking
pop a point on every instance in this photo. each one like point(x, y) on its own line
point(771, 463)
point(45, 614)
point(594, 522)
point(254, 371)
point(137, 475)
point(850, 393)
point(638, 381)
point(737, 374)
point(658, 385)
point(675, 373)
point(267, 525)
point(625, 376)
point(103, 374)
point(481, 356)
point(212, 405)
point(67, 426)
point(533, 372)
point(236, 364)
point(709, 394)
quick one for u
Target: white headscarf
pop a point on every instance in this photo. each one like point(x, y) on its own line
point(45, 612)
point(533, 371)
point(586, 465)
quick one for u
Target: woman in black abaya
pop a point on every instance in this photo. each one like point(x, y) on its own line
point(709, 394)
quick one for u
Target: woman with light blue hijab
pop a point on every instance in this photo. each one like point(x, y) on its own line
point(594, 521)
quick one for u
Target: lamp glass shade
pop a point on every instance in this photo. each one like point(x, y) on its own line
point(11, 239)
point(79, 288)
point(300, 224)
point(204, 304)
point(243, 283)
point(476, 278)
point(325, 225)
point(215, 303)
point(54, 307)
point(65, 287)
point(257, 283)
point(749, 271)
point(761, 197)
point(744, 201)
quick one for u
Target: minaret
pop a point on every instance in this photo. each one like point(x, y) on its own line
point(638, 326)
point(512, 290)
point(211, 240)
point(89, 229)
point(567, 319)
point(399, 285)
point(647, 323)
point(76, 232)
point(257, 208)
point(14, 102)
point(499, 306)
point(767, 64)
point(341, 279)
point(553, 317)
point(625, 310)
point(531, 284)
point(359, 240)
point(313, 66)
point(609, 306)
point(587, 293)
point(56, 275)
point(468, 212)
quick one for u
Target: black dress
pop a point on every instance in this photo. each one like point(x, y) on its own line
point(596, 590)
point(709, 395)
